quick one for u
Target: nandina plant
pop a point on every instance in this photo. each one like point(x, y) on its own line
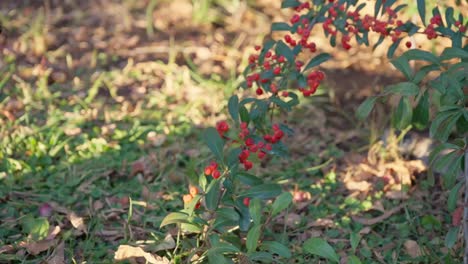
point(228, 212)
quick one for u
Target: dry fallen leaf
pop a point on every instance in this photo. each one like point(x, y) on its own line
point(168, 243)
point(412, 248)
point(129, 252)
point(35, 248)
point(58, 257)
point(77, 222)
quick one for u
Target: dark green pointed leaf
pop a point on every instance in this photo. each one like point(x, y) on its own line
point(252, 238)
point(248, 179)
point(403, 114)
point(451, 237)
point(365, 108)
point(417, 54)
point(212, 194)
point(263, 191)
point(402, 64)
point(454, 52)
point(255, 209)
point(453, 197)
point(421, 112)
point(233, 107)
point(280, 26)
point(175, 218)
point(317, 60)
point(353, 260)
point(392, 48)
point(281, 202)
point(320, 247)
point(214, 141)
point(290, 3)
point(403, 88)
point(276, 248)
point(422, 10)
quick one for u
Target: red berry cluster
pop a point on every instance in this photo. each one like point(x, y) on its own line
point(212, 170)
point(271, 61)
point(222, 127)
point(460, 26)
point(193, 191)
point(303, 30)
point(249, 147)
point(313, 81)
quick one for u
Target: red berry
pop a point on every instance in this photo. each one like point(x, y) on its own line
point(208, 170)
point(248, 165)
point(216, 174)
point(273, 88)
point(277, 70)
point(408, 44)
point(261, 154)
point(246, 201)
point(259, 91)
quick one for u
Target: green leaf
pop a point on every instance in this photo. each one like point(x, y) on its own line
point(365, 108)
point(443, 124)
point(290, 3)
point(403, 88)
point(453, 197)
point(454, 52)
point(452, 237)
point(320, 247)
point(354, 240)
point(421, 112)
point(276, 248)
point(38, 228)
point(284, 50)
point(419, 76)
point(422, 10)
point(214, 141)
point(392, 48)
point(255, 209)
point(378, 5)
point(216, 258)
point(353, 260)
point(248, 179)
point(403, 114)
point(252, 238)
point(280, 26)
point(449, 16)
point(233, 107)
point(454, 170)
point(223, 247)
point(402, 64)
point(417, 54)
point(174, 218)
point(264, 257)
point(263, 191)
point(281, 202)
point(212, 194)
point(244, 114)
point(317, 60)
point(202, 181)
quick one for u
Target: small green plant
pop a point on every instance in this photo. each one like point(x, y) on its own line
point(228, 211)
